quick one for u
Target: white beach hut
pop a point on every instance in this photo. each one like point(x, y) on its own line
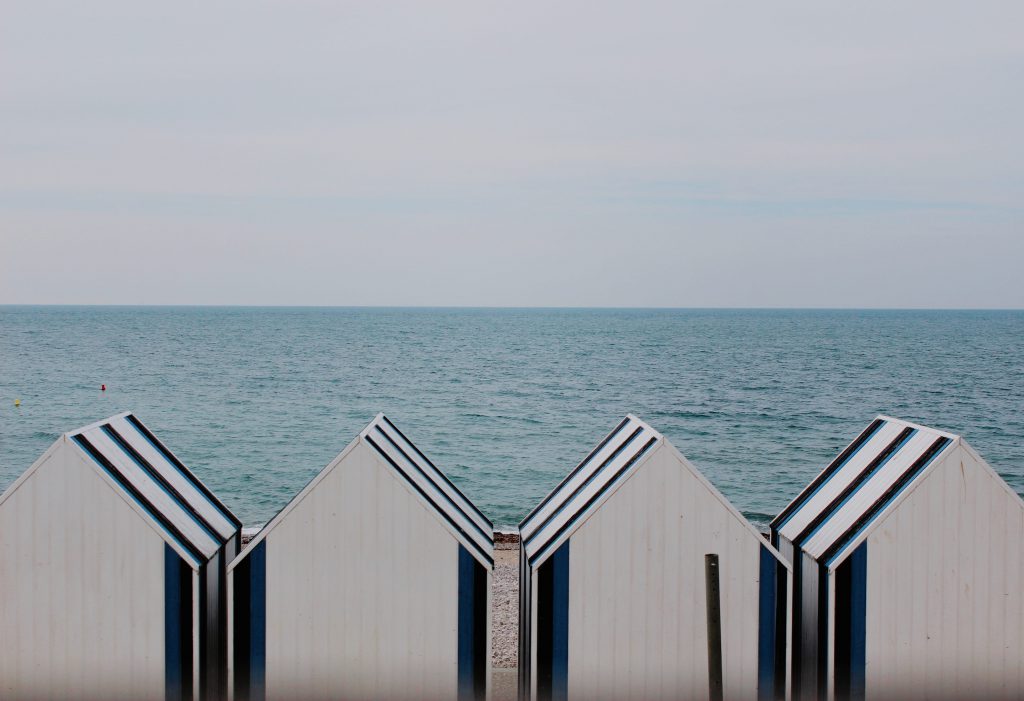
point(112, 557)
point(372, 583)
point(613, 601)
point(908, 572)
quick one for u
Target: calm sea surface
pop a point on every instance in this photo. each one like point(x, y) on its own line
point(256, 401)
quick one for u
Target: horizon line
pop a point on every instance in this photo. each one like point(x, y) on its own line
point(501, 307)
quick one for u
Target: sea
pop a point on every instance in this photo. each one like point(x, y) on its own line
point(256, 401)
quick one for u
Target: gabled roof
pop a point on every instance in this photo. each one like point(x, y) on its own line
point(139, 466)
point(410, 466)
point(853, 490)
point(458, 513)
point(593, 481)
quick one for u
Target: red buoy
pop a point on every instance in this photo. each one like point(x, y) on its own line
point(103, 388)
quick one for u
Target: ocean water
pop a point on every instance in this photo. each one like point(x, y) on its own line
point(257, 400)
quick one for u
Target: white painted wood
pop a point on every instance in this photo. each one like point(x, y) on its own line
point(82, 576)
point(975, 612)
point(637, 627)
point(206, 543)
point(362, 589)
point(382, 424)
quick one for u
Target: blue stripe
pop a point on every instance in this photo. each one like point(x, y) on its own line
point(467, 563)
point(858, 621)
point(849, 496)
point(186, 508)
point(172, 624)
point(560, 624)
point(144, 507)
point(766, 626)
point(192, 479)
point(888, 501)
point(582, 511)
point(258, 622)
point(561, 507)
point(554, 492)
point(487, 537)
point(835, 471)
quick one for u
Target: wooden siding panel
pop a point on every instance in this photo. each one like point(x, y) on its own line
point(618, 555)
point(371, 626)
point(950, 543)
point(63, 533)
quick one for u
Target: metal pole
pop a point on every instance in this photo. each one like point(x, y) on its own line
point(714, 618)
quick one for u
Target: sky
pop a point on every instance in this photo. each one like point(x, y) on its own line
point(652, 154)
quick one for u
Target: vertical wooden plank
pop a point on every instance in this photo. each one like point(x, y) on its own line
point(714, 624)
point(653, 512)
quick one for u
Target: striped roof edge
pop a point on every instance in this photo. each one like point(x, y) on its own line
point(822, 479)
point(162, 494)
point(900, 489)
point(143, 469)
point(892, 466)
point(596, 478)
point(410, 466)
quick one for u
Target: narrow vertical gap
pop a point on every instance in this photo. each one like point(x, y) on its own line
point(241, 632)
point(823, 632)
point(797, 625)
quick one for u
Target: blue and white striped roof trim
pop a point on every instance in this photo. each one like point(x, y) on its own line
point(462, 518)
point(148, 474)
point(586, 487)
point(832, 511)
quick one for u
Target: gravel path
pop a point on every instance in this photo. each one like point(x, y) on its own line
point(505, 603)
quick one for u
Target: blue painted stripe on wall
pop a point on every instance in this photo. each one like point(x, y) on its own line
point(766, 626)
point(258, 622)
point(172, 624)
point(465, 638)
point(858, 621)
point(560, 624)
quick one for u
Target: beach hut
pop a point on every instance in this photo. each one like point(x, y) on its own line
point(112, 557)
point(614, 584)
point(908, 572)
point(372, 583)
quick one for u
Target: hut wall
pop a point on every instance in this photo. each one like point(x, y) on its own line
point(361, 592)
point(82, 583)
point(637, 623)
point(945, 588)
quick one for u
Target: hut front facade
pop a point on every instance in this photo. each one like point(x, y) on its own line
point(112, 556)
point(372, 583)
point(909, 572)
point(613, 593)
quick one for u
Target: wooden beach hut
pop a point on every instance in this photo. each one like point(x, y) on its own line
point(908, 560)
point(372, 583)
point(112, 558)
point(614, 584)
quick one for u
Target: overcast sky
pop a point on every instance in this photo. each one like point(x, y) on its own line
point(512, 153)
